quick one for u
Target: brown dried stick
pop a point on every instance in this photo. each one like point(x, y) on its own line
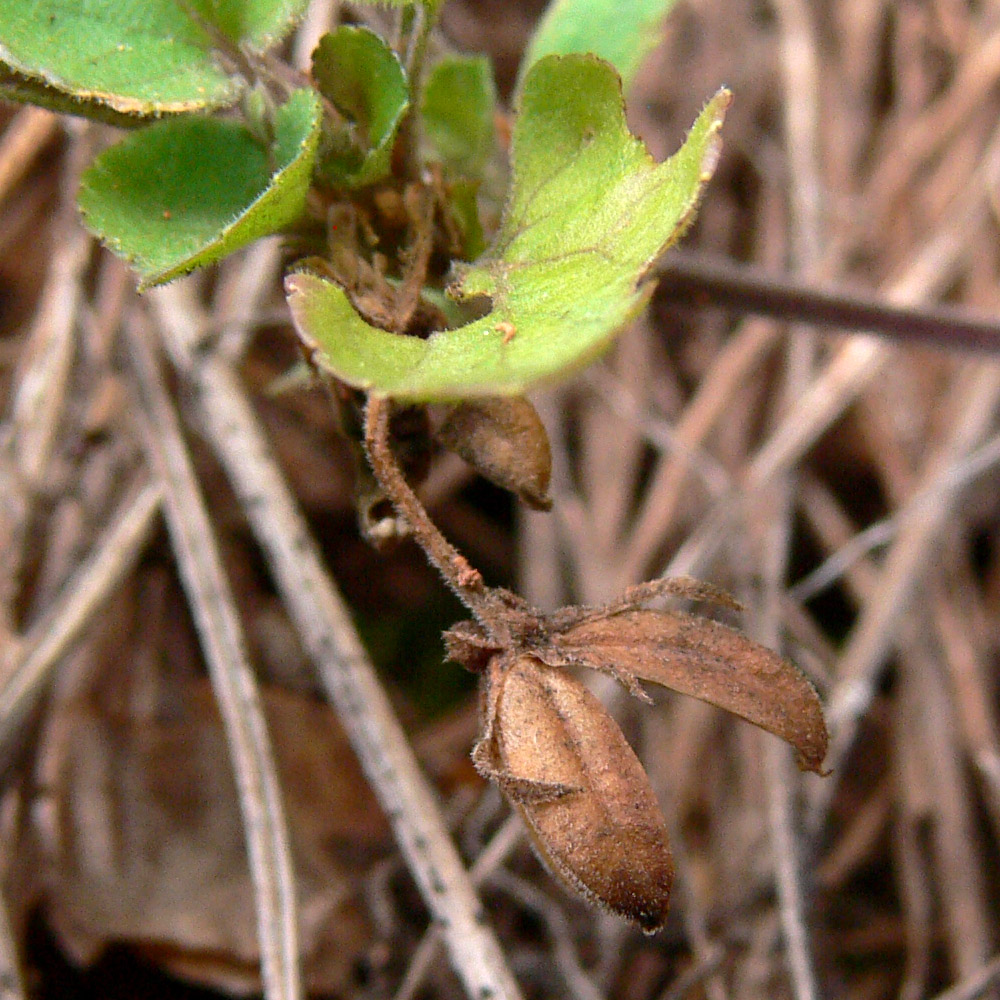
point(23, 139)
point(26, 674)
point(747, 288)
point(958, 863)
point(490, 858)
point(972, 694)
point(930, 777)
point(976, 985)
point(914, 140)
point(800, 74)
point(855, 364)
point(874, 634)
point(12, 985)
point(37, 404)
point(848, 372)
point(233, 682)
point(43, 376)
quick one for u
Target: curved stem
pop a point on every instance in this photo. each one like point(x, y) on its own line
point(463, 578)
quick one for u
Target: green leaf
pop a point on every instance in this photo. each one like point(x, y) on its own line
point(464, 208)
point(256, 23)
point(25, 90)
point(588, 213)
point(457, 108)
point(360, 75)
point(137, 57)
point(183, 193)
point(623, 35)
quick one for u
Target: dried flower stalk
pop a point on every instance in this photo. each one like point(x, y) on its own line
point(546, 741)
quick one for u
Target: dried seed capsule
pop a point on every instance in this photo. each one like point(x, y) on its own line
point(502, 438)
point(563, 761)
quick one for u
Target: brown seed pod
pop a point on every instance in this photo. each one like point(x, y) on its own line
point(562, 760)
point(503, 438)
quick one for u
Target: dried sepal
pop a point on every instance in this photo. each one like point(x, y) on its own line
point(503, 438)
point(641, 594)
point(707, 660)
point(675, 586)
point(564, 763)
point(467, 643)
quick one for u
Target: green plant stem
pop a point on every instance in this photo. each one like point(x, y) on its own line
point(416, 46)
point(225, 48)
point(415, 29)
point(406, 18)
point(464, 579)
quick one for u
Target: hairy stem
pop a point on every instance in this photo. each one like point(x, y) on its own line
point(415, 29)
point(464, 579)
point(416, 48)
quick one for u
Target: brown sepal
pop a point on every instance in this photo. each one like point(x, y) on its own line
point(557, 754)
point(707, 660)
point(467, 643)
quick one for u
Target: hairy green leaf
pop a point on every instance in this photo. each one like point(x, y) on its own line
point(457, 108)
point(621, 36)
point(588, 212)
point(26, 90)
point(256, 23)
point(360, 75)
point(464, 208)
point(185, 192)
point(137, 57)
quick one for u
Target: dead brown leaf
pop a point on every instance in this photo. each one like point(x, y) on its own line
point(147, 843)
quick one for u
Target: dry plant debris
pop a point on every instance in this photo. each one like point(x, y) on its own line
point(552, 748)
point(126, 867)
point(842, 485)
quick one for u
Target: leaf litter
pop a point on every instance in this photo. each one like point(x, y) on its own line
point(905, 835)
